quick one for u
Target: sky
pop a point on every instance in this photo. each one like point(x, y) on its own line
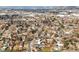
point(39, 2)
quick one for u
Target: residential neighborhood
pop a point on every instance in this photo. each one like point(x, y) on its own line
point(39, 30)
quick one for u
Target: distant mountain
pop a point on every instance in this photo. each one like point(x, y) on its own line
point(41, 7)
